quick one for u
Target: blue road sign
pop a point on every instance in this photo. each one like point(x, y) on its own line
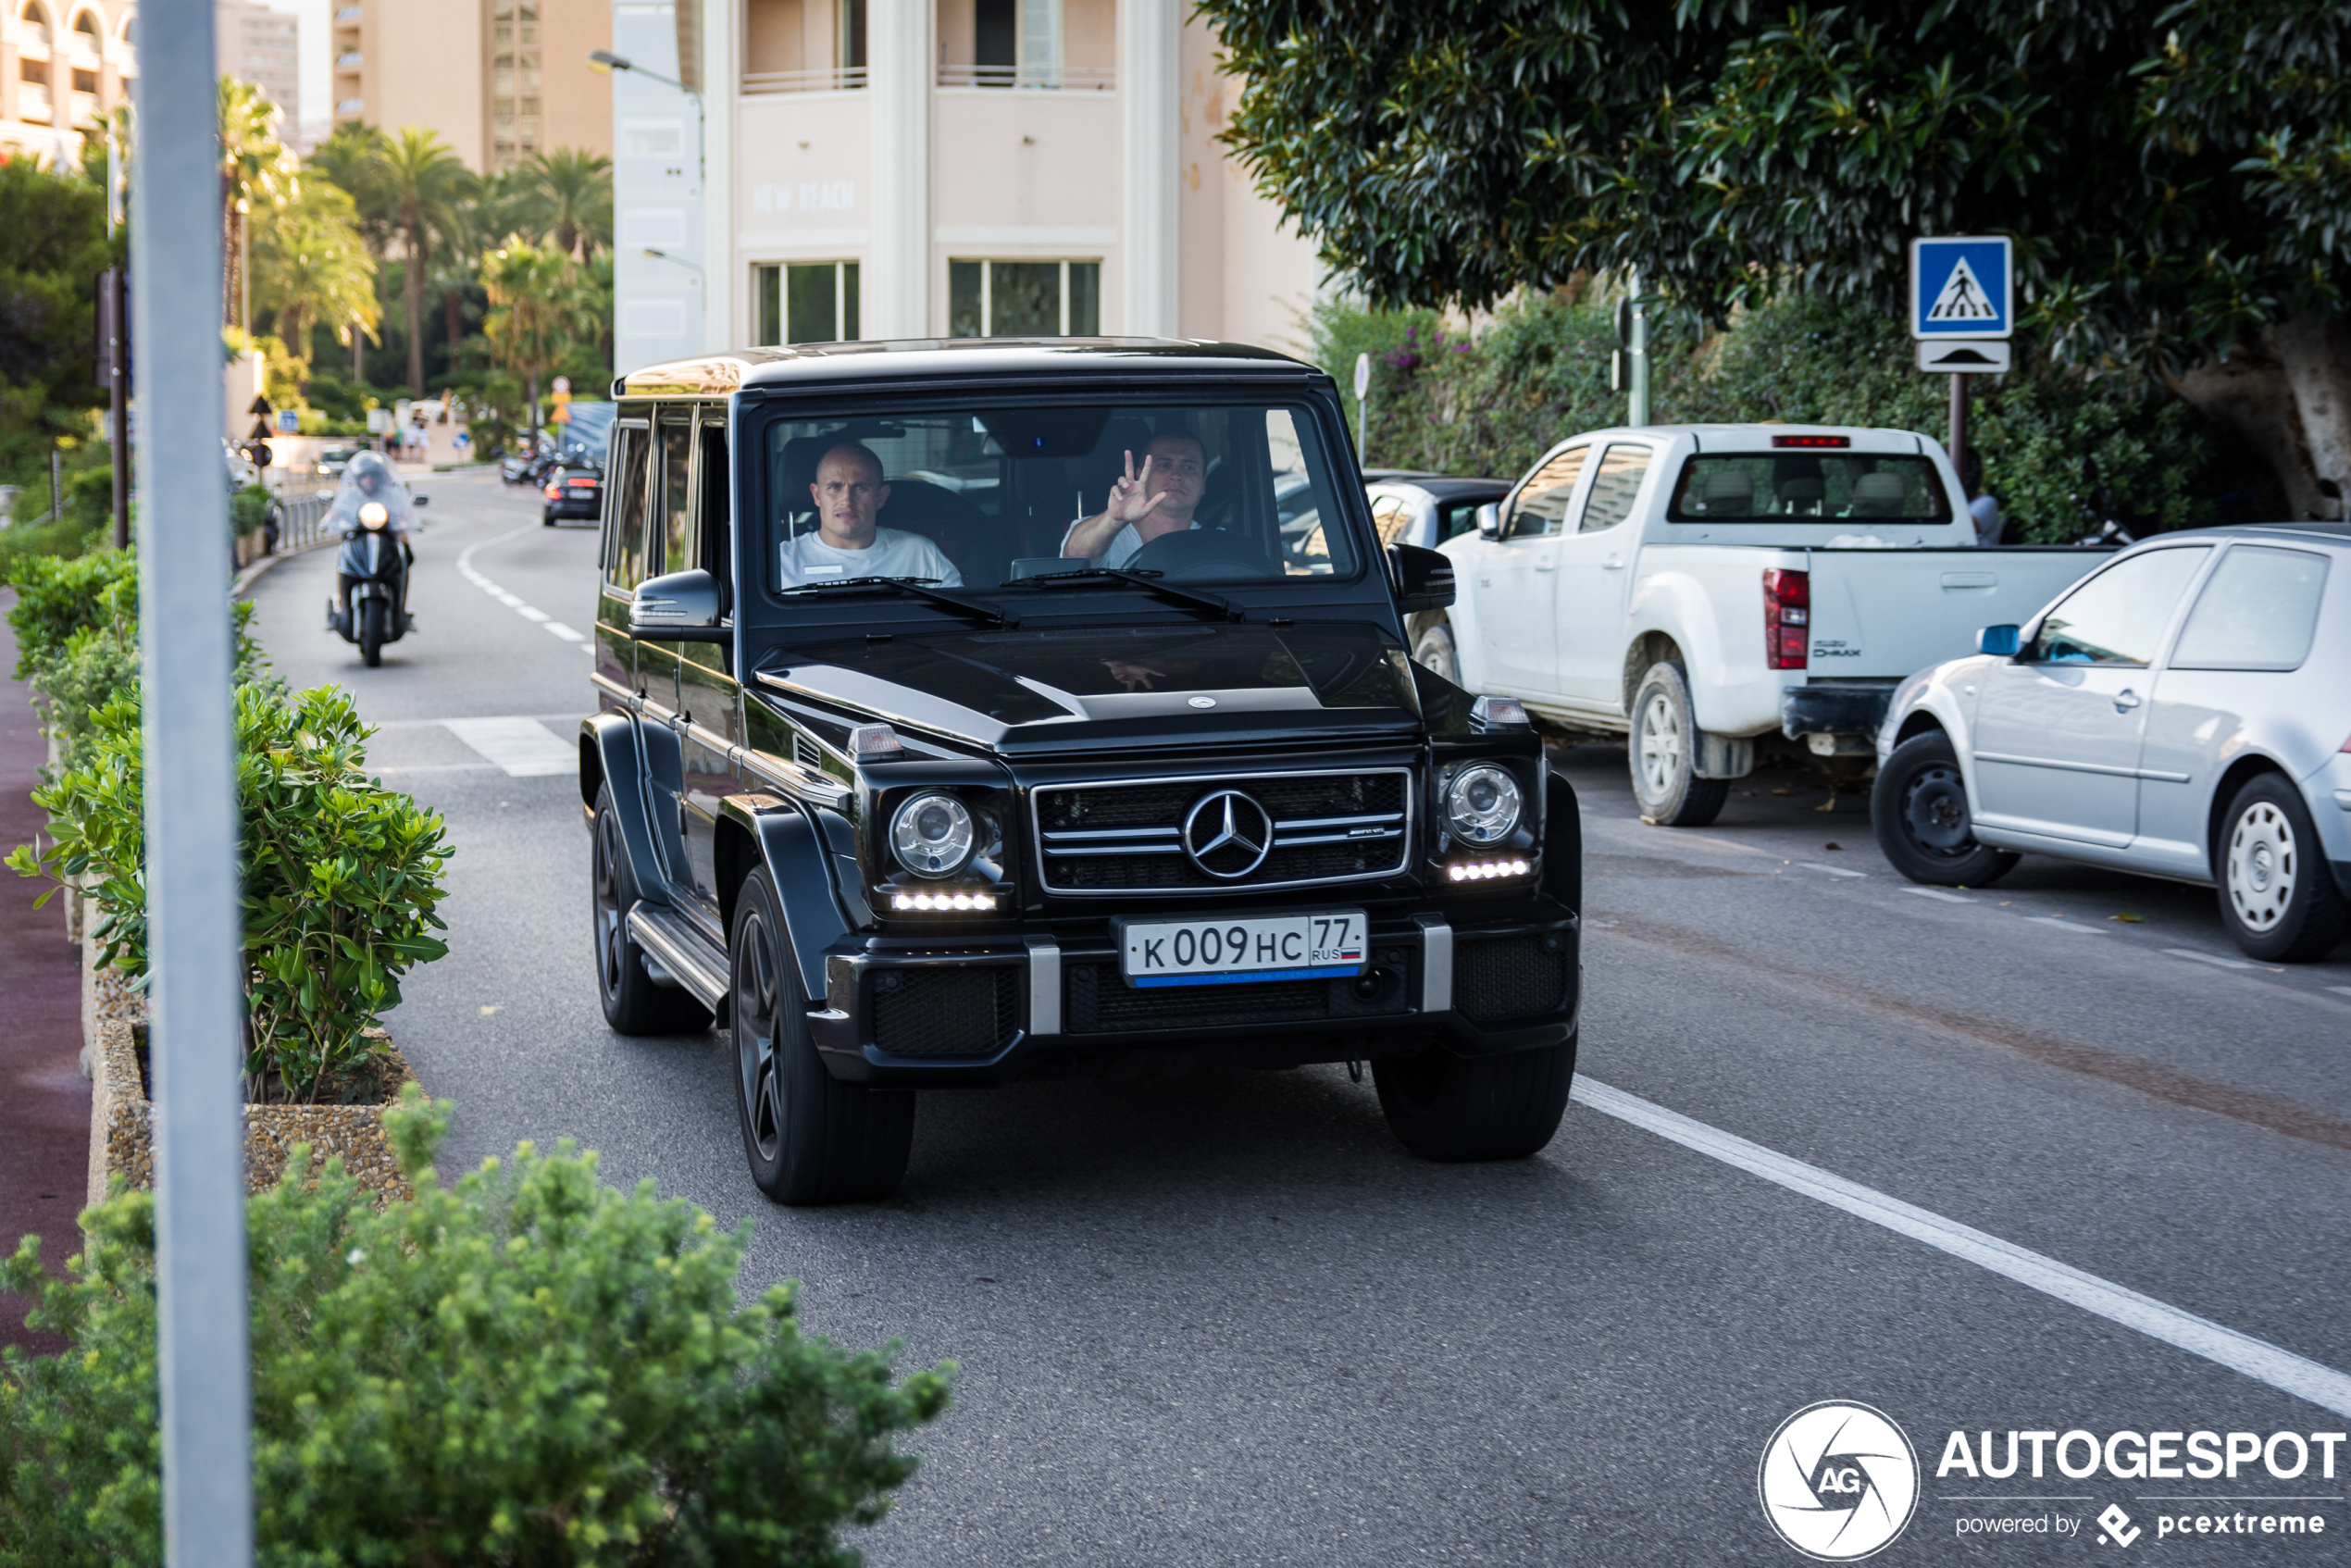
point(1961, 287)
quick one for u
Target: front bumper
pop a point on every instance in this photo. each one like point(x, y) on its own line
point(906, 1013)
point(585, 506)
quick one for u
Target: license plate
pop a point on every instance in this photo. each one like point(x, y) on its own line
point(1326, 945)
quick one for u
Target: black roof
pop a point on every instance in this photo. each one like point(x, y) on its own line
point(913, 359)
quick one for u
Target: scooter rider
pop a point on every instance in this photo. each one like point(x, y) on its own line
point(369, 478)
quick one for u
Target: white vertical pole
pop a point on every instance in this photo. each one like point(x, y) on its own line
point(895, 300)
point(1149, 40)
point(195, 949)
point(1638, 355)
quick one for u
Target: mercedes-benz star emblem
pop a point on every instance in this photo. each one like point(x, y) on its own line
point(1227, 834)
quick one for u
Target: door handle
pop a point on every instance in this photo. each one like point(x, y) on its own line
point(1546, 565)
point(1613, 564)
point(2125, 699)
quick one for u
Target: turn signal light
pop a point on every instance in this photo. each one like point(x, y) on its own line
point(935, 902)
point(1787, 616)
point(1486, 870)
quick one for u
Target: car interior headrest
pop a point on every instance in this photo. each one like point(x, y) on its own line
point(1878, 496)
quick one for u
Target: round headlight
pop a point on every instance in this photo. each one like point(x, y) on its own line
point(1482, 804)
point(931, 835)
point(373, 514)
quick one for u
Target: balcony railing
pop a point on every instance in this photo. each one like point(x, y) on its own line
point(347, 60)
point(842, 79)
point(1052, 79)
point(33, 104)
point(347, 17)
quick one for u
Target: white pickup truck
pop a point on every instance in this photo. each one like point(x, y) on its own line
point(1714, 590)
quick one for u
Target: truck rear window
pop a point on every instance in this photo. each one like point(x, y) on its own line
point(1776, 487)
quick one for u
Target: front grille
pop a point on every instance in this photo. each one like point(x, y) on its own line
point(1497, 979)
point(1097, 1001)
point(963, 1011)
point(1127, 838)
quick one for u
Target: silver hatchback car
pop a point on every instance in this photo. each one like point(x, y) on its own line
point(2184, 711)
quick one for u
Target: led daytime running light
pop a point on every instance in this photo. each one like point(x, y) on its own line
point(1486, 870)
point(943, 900)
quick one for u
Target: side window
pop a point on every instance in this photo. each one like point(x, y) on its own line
point(1456, 520)
point(1613, 488)
point(1541, 507)
point(625, 541)
point(716, 554)
point(2258, 611)
point(2118, 616)
point(1390, 517)
point(675, 495)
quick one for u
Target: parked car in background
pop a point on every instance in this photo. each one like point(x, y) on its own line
point(574, 489)
point(1723, 591)
point(2185, 713)
point(334, 459)
point(1428, 509)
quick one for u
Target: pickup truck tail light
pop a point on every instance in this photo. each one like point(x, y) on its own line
point(1787, 616)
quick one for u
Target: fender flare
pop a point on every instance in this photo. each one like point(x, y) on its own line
point(794, 850)
point(1562, 843)
point(1673, 605)
point(635, 759)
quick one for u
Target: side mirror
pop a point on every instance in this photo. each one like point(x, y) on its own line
point(414, 500)
point(1423, 578)
point(1489, 520)
point(676, 607)
point(2002, 641)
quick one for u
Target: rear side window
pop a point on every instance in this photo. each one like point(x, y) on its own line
point(2258, 612)
point(625, 541)
point(1614, 487)
point(1771, 487)
point(674, 457)
point(2118, 616)
point(716, 547)
point(1541, 507)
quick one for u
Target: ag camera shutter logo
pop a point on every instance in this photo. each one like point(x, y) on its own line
point(1838, 1481)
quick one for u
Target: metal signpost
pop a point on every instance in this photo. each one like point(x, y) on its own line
point(194, 921)
point(1362, 408)
point(1962, 313)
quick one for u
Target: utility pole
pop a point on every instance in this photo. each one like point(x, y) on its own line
point(1637, 351)
point(195, 963)
point(1958, 443)
point(114, 373)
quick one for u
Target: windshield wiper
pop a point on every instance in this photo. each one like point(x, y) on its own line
point(1191, 597)
point(920, 587)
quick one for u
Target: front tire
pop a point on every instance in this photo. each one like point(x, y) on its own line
point(2278, 896)
point(809, 1138)
point(1461, 1108)
point(1919, 811)
point(633, 1005)
point(1662, 751)
point(1435, 652)
point(371, 632)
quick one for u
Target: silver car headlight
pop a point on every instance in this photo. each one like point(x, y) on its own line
point(932, 834)
point(1482, 804)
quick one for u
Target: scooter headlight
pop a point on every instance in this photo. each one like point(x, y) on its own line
point(931, 835)
point(374, 515)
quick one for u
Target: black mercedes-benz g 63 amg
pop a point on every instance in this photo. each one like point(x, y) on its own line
point(980, 710)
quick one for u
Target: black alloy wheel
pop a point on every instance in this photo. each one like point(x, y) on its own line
point(1919, 811)
point(1461, 1108)
point(633, 1003)
point(808, 1137)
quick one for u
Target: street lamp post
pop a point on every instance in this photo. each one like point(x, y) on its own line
point(680, 261)
point(604, 60)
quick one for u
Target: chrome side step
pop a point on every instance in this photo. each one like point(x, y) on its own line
point(676, 947)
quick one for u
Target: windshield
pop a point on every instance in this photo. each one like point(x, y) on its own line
point(1825, 486)
point(990, 497)
point(588, 432)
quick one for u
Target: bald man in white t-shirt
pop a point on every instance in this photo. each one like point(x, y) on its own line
point(849, 540)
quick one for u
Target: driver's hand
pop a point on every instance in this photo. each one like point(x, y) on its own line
point(1130, 497)
point(1134, 675)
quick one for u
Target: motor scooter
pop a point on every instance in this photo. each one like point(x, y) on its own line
point(376, 561)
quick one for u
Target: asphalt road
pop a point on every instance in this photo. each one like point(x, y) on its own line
point(1231, 1321)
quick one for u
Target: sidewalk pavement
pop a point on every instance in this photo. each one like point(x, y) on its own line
point(44, 1101)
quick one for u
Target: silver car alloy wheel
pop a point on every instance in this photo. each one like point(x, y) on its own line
point(1660, 743)
point(2263, 866)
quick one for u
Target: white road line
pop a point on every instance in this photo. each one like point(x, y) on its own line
point(2212, 958)
point(565, 632)
point(519, 605)
point(2062, 923)
point(2342, 990)
point(440, 767)
point(1938, 893)
point(2256, 1359)
point(531, 613)
point(1831, 870)
point(522, 746)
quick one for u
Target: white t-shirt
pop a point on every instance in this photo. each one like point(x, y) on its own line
point(1986, 513)
point(807, 558)
point(1123, 544)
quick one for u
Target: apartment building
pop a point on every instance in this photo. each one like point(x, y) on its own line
point(255, 44)
point(935, 168)
point(500, 79)
point(64, 65)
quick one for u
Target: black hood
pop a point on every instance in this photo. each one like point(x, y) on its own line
point(1091, 686)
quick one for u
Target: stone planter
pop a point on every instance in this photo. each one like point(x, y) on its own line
point(122, 1123)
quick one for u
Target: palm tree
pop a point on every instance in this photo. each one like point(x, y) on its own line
point(310, 265)
point(426, 187)
point(257, 171)
point(353, 157)
point(539, 307)
point(569, 192)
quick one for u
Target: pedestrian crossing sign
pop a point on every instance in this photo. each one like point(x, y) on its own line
point(1961, 287)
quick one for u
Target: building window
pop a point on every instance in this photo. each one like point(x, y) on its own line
point(849, 34)
point(1024, 299)
point(814, 302)
point(84, 81)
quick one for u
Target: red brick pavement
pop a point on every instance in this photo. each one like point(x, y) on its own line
point(44, 1101)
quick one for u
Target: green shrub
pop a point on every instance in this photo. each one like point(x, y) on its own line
point(527, 1368)
point(248, 508)
point(56, 597)
point(341, 876)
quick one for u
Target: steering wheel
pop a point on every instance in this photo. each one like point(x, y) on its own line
point(1197, 553)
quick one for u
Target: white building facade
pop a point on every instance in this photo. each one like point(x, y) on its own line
point(881, 169)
